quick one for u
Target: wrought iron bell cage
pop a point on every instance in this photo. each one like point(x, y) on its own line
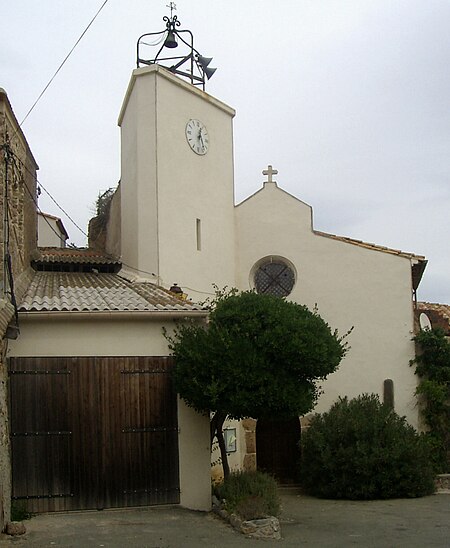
point(190, 65)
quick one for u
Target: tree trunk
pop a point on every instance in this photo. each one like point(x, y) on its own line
point(216, 431)
point(213, 427)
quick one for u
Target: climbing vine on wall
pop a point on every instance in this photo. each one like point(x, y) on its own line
point(103, 203)
point(432, 364)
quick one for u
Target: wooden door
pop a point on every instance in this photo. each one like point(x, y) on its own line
point(93, 432)
point(277, 448)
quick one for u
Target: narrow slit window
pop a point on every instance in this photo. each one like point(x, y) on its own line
point(198, 227)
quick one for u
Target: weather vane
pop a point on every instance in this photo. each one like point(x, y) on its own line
point(172, 7)
point(190, 64)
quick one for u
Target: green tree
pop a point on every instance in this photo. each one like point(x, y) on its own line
point(258, 356)
point(433, 367)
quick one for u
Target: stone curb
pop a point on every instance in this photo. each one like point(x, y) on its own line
point(15, 528)
point(443, 483)
point(263, 528)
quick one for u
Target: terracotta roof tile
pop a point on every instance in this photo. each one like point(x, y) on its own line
point(368, 245)
point(72, 255)
point(6, 315)
point(77, 292)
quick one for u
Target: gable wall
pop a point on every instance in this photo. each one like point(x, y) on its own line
point(47, 236)
point(351, 285)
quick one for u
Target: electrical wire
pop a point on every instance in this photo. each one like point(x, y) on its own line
point(198, 291)
point(48, 194)
point(63, 63)
point(15, 234)
point(34, 176)
point(34, 105)
point(15, 157)
point(7, 263)
point(162, 281)
point(62, 209)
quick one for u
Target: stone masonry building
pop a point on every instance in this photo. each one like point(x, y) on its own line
point(18, 237)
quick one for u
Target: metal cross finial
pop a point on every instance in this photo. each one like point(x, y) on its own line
point(269, 171)
point(172, 7)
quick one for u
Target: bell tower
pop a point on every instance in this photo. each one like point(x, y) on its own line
point(177, 188)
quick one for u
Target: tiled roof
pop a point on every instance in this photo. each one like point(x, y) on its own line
point(374, 247)
point(72, 255)
point(78, 292)
point(443, 309)
point(7, 310)
point(438, 314)
point(6, 315)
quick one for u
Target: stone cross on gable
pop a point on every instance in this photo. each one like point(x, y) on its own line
point(270, 171)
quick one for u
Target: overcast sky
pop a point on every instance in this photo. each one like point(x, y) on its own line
point(348, 99)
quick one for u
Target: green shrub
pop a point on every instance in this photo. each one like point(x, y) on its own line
point(19, 511)
point(361, 449)
point(432, 365)
point(439, 453)
point(251, 495)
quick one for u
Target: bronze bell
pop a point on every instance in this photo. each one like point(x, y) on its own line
point(171, 41)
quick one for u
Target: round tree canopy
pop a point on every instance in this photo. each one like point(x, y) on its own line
point(258, 356)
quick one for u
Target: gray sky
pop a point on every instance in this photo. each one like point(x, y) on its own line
point(348, 99)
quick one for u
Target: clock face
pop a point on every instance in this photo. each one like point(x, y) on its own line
point(197, 137)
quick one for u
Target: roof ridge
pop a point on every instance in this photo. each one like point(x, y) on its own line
point(369, 245)
point(102, 292)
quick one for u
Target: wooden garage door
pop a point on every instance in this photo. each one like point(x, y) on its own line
point(93, 432)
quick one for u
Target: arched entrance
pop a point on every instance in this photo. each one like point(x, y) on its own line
point(277, 448)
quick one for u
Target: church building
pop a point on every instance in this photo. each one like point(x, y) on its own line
point(112, 431)
point(173, 219)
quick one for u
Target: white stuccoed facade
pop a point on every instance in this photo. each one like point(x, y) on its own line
point(352, 286)
point(167, 189)
point(179, 224)
point(51, 231)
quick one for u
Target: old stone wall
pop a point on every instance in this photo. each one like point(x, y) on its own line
point(104, 229)
point(18, 238)
point(249, 426)
point(113, 236)
point(20, 174)
point(5, 466)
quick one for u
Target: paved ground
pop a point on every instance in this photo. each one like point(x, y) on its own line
point(305, 521)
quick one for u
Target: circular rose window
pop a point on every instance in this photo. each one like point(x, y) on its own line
point(274, 278)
